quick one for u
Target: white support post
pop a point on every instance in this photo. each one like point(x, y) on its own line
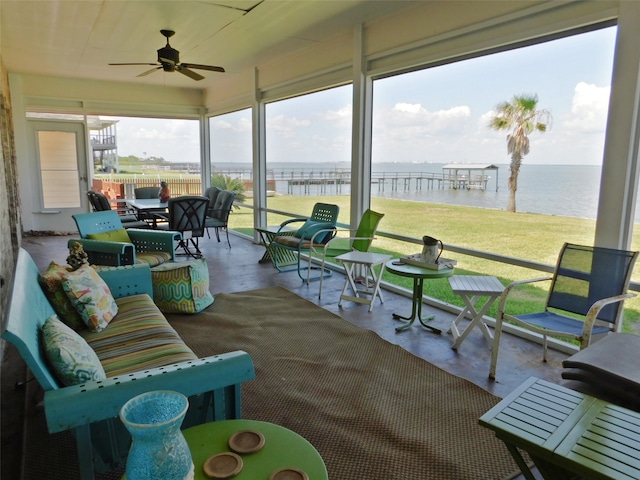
point(361, 130)
point(620, 167)
point(259, 158)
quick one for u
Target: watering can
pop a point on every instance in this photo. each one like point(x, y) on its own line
point(431, 250)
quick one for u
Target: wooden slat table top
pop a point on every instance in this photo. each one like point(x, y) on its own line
point(606, 440)
point(475, 285)
point(577, 432)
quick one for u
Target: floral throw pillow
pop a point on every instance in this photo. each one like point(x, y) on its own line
point(70, 356)
point(91, 297)
point(51, 282)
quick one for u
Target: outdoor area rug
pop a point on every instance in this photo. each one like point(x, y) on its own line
point(371, 409)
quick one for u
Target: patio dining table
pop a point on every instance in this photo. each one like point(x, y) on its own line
point(145, 207)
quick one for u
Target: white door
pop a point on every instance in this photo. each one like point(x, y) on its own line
point(59, 149)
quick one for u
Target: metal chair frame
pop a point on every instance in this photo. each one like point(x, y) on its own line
point(187, 214)
point(326, 217)
point(100, 203)
point(586, 297)
point(218, 213)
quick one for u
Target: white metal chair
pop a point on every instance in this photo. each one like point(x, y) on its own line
point(586, 297)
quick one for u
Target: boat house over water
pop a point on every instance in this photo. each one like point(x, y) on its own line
point(468, 175)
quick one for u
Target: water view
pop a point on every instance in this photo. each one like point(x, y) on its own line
point(566, 190)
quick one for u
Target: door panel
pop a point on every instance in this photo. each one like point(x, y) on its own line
point(60, 152)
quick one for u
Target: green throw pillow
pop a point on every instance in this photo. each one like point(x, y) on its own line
point(51, 283)
point(181, 287)
point(120, 235)
point(91, 296)
point(310, 228)
point(70, 356)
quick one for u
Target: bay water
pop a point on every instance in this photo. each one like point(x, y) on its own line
point(565, 190)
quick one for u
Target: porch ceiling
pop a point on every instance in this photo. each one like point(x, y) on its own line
point(79, 38)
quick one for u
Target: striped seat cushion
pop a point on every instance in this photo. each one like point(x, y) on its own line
point(294, 242)
point(139, 337)
point(153, 258)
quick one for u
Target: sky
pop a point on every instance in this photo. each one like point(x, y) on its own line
point(437, 115)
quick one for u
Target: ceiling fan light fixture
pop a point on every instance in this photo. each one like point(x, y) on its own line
point(168, 55)
point(169, 61)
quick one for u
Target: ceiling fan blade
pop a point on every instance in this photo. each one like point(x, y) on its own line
point(133, 64)
point(149, 71)
point(203, 67)
point(188, 73)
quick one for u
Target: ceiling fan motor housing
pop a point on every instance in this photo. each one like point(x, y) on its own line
point(168, 57)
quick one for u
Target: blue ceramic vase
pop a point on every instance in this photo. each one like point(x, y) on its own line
point(158, 450)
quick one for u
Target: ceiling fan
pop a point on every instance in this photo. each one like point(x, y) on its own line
point(169, 61)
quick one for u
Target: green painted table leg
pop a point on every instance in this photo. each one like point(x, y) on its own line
point(416, 309)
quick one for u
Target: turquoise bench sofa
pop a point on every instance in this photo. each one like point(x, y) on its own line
point(91, 409)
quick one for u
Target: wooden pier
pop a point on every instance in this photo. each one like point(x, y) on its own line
point(394, 182)
point(331, 181)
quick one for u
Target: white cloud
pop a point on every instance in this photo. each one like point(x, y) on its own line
point(243, 125)
point(286, 126)
point(340, 114)
point(408, 107)
point(172, 139)
point(416, 118)
point(222, 125)
point(589, 110)
point(409, 132)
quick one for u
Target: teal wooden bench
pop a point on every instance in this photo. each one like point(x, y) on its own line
point(567, 433)
point(90, 410)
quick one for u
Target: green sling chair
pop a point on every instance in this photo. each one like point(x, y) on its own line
point(358, 240)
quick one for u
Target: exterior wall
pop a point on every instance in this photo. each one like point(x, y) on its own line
point(10, 233)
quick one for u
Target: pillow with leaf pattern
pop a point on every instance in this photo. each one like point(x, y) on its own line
point(70, 356)
point(91, 296)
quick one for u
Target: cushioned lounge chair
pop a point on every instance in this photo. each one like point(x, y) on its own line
point(218, 215)
point(106, 242)
point(315, 231)
point(100, 203)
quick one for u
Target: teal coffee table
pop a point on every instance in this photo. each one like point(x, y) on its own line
point(566, 433)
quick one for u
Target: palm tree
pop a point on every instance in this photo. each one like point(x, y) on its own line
point(225, 182)
point(521, 118)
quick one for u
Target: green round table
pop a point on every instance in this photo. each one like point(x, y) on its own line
point(419, 275)
point(282, 448)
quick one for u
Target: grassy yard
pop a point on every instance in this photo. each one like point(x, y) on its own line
point(527, 236)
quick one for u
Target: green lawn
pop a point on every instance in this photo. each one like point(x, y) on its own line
point(527, 236)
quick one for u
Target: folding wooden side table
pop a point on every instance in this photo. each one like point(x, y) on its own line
point(368, 261)
point(471, 288)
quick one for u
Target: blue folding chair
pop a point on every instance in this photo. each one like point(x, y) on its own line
point(586, 297)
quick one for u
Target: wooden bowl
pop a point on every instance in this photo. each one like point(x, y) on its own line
point(222, 465)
